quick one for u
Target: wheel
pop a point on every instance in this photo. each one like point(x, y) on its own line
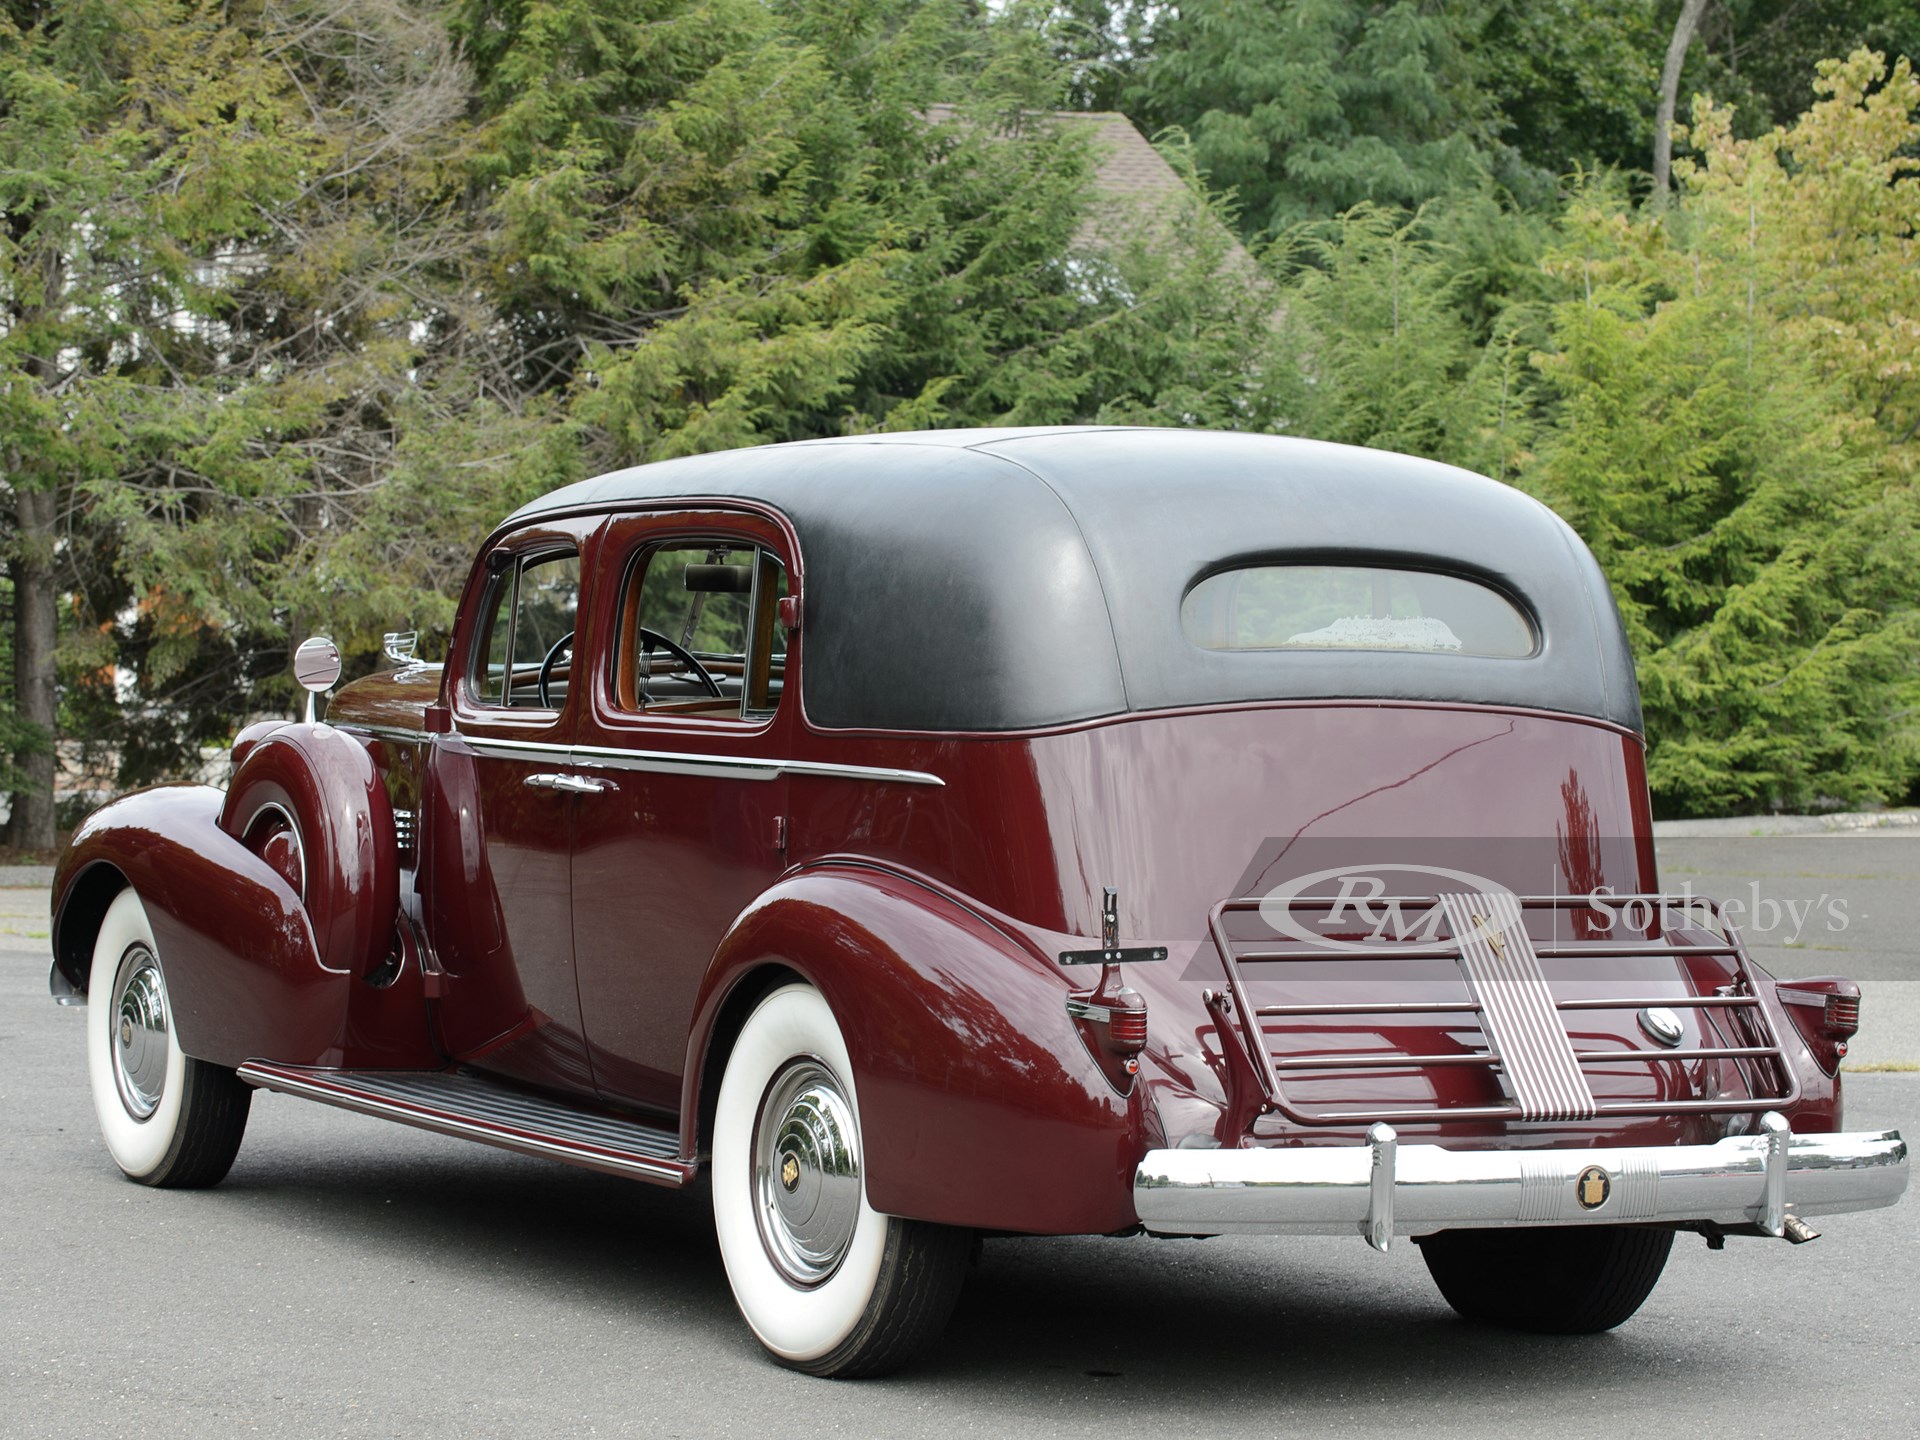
point(651, 640)
point(828, 1285)
point(167, 1119)
point(1574, 1281)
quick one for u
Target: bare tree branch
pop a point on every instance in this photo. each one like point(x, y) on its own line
point(1677, 48)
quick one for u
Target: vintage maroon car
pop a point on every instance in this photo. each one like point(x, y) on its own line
point(1005, 832)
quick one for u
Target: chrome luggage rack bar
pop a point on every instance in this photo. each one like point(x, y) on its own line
point(1748, 1042)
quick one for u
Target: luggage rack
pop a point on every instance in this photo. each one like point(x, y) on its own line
point(1519, 1017)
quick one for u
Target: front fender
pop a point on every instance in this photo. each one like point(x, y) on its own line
point(979, 1105)
point(243, 974)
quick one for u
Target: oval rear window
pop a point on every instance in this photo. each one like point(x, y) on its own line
point(1352, 607)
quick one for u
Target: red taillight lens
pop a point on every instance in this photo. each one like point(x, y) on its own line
point(1127, 1030)
point(1826, 1012)
point(1843, 1016)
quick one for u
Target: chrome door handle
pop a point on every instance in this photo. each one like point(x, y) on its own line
point(570, 784)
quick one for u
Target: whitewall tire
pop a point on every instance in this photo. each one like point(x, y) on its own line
point(167, 1119)
point(828, 1285)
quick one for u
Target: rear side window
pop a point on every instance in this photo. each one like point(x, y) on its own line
point(1352, 607)
point(699, 633)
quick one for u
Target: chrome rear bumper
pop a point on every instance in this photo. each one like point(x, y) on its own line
point(1382, 1188)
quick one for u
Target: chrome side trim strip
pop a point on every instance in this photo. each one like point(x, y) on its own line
point(675, 762)
point(515, 749)
point(1735, 1183)
point(669, 762)
point(879, 774)
point(337, 1089)
point(398, 733)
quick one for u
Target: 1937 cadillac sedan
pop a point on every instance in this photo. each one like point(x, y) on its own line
point(1007, 832)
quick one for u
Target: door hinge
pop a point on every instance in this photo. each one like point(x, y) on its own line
point(780, 832)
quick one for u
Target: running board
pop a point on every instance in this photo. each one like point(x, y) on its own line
point(470, 1108)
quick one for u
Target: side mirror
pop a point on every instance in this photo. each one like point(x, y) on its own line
point(316, 665)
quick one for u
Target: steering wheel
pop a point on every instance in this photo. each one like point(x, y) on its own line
point(650, 639)
point(562, 646)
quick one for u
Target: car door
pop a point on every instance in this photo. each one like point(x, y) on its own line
point(504, 799)
point(696, 828)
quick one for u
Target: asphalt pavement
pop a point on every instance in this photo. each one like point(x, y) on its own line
point(1842, 903)
point(352, 1278)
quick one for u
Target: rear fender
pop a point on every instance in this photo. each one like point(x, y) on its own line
point(979, 1105)
point(242, 970)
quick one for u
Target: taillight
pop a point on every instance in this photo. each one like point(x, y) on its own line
point(1127, 1023)
point(1843, 1015)
point(1113, 1026)
point(1826, 1012)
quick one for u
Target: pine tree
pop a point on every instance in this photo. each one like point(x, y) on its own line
point(1309, 107)
point(1731, 471)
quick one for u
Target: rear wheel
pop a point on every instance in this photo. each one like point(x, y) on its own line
point(828, 1285)
point(168, 1120)
point(1579, 1280)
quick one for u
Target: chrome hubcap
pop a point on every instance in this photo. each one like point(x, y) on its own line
point(139, 1040)
point(806, 1172)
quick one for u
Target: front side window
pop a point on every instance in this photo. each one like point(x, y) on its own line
point(525, 653)
point(1352, 607)
point(699, 631)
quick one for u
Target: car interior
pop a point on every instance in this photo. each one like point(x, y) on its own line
point(698, 631)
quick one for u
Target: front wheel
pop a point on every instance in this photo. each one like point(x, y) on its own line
point(168, 1120)
point(1577, 1280)
point(828, 1285)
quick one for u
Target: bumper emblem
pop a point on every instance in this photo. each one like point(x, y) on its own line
point(1592, 1188)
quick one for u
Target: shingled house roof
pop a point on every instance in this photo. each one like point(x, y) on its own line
point(1132, 180)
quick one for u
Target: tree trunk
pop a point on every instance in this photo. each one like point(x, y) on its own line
point(1677, 48)
point(35, 627)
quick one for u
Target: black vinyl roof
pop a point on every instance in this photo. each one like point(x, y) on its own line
point(992, 580)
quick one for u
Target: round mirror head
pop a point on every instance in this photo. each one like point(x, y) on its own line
point(316, 664)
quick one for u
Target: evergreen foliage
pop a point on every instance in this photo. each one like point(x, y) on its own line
point(1310, 107)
